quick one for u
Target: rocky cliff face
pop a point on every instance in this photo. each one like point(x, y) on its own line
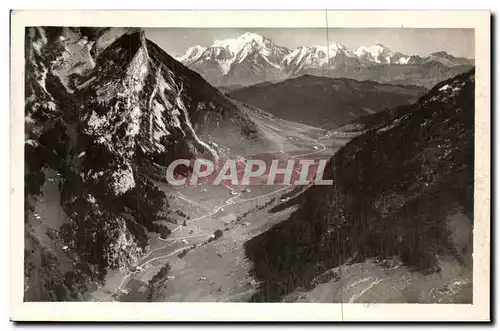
point(103, 107)
point(394, 189)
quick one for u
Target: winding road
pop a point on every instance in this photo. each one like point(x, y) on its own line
point(228, 202)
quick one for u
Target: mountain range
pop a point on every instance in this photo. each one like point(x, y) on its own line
point(325, 102)
point(252, 58)
point(106, 110)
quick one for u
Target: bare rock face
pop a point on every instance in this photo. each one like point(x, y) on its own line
point(251, 58)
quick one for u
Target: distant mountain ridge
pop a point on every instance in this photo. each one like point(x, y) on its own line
point(106, 110)
point(397, 188)
point(252, 58)
point(325, 102)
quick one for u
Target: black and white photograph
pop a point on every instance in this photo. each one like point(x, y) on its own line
point(250, 164)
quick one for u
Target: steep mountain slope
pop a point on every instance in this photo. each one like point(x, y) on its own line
point(399, 191)
point(252, 58)
point(427, 73)
point(106, 111)
point(325, 102)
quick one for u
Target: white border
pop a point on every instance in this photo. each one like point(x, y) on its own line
point(479, 20)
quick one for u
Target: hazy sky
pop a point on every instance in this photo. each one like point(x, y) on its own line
point(458, 42)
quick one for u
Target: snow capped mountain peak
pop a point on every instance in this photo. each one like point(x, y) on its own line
point(337, 46)
point(249, 48)
point(374, 50)
point(315, 56)
point(442, 53)
point(377, 53)
point(192, 54)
